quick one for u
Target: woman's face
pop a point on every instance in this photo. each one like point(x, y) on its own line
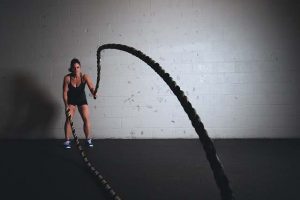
point(76, 68)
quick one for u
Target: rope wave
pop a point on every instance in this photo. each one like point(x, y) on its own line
point(89, 165)
point(208, 146)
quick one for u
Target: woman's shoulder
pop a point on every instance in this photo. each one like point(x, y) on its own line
point(85, 76)
point(67, 77)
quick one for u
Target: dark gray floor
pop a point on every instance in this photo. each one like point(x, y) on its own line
point(150, 169)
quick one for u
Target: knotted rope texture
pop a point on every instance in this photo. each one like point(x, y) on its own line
point(208, 146)
point(89, 165)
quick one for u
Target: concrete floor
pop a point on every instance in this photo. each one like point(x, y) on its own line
point(149, 169)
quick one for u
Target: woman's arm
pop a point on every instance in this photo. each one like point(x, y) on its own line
point(65, 91)
point(90, 84)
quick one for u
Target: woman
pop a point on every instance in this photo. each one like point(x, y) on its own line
point(74, 96)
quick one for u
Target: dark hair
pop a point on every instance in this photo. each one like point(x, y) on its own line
point(73, 62)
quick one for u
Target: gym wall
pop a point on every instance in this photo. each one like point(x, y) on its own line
point(237, 61)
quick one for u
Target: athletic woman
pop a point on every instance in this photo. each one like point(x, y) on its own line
point(74, 96)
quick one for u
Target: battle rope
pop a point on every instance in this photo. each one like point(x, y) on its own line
point(215, 164)
point(92, 169)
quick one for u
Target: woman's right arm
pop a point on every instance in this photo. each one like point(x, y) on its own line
point(65, 91)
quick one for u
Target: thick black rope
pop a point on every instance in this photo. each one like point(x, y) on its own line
point(92, 169)
point(215, 164)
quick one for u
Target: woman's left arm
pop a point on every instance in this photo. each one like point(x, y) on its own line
point(90, 84)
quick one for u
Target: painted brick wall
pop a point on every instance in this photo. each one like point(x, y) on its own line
point(237, 61)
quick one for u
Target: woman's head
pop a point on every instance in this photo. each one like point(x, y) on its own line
point(74, 66)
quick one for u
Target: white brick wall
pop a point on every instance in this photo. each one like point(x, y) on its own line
point(237, 61)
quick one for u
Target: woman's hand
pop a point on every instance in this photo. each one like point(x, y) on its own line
point(95, 95)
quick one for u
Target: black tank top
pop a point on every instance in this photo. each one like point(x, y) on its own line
point(76, 95)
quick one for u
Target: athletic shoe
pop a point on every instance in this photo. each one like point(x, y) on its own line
point(89, 143)
point(67, 144)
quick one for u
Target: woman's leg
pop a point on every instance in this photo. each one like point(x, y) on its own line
point(85, 115)
point(68, 130)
